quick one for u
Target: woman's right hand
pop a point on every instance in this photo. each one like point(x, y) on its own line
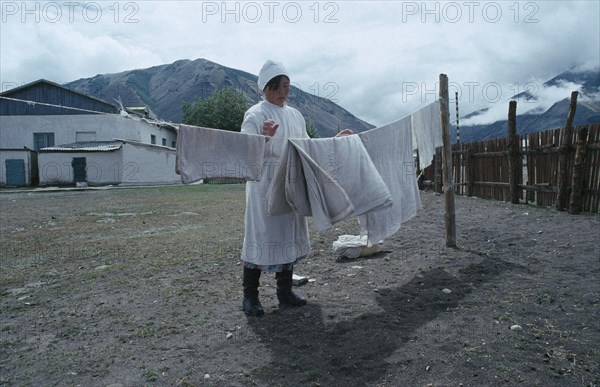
point(269, 128)
point(345, 132)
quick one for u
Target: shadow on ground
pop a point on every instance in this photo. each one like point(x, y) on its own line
point(307, 349)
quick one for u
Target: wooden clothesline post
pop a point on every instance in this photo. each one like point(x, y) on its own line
point(448, 179)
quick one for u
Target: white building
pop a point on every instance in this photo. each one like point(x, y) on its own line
point(51, 135)
point(111, 162)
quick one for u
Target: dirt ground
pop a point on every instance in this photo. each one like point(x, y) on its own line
point(142, 286)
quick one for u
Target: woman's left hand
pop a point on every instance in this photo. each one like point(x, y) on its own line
point(345, 132)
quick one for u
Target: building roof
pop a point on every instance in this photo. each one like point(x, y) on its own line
point(15, 90)
point(46, 97)
point(86, 146)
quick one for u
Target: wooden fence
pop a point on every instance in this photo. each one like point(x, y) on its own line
point(482, 169)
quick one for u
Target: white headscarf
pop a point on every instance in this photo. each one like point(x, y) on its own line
point(270, 70)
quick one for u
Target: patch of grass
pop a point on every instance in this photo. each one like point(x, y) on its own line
point(504, 369)
point(507, 318)
point(150, 376)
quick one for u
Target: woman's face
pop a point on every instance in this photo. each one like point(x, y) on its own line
point(279, 96)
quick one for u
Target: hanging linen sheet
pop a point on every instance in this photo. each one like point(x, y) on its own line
point(390, 149)
point(211, 153)
point(427, 132)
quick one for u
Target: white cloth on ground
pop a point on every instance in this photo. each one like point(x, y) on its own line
point(330, 179)
point(427, 132)
point(354, 246)
point(204, 153)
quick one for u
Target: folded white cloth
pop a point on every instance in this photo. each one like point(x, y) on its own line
point(204, 153)
point(330, 179)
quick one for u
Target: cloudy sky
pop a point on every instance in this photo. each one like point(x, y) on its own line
point(380, 60)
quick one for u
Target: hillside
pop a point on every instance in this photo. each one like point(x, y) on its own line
point(164, 88)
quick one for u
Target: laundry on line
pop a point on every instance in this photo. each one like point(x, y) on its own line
point(204, 153)
point(427, 132)
point(330, 179)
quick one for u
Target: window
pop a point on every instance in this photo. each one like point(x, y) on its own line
point(42, 140)
point(152, 139)
point(164, 142)
point(173, 144)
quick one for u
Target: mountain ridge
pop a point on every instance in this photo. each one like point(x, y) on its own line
point(164, 88)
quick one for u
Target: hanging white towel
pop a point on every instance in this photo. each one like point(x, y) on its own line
point(210, 153)
point(427, 132)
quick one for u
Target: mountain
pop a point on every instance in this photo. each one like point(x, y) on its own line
point(587, 111)
point(164, 88)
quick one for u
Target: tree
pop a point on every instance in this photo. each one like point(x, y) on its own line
point(311, 130)
point(224, 109)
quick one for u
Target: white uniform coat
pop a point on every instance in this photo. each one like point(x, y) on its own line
point(280, 239)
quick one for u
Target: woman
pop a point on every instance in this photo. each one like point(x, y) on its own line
point(272, 243)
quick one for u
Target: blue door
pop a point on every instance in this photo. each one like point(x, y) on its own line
point(15, 172)
point(79, 169)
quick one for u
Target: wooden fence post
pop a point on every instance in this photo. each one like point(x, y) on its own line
point(470, 171)
point(565, 146)
point(513, 153)
point(447, 163)
point(575, 203)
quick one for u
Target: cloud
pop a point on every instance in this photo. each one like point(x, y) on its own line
point(541, 98)
point(63, 51)
point(378, 59)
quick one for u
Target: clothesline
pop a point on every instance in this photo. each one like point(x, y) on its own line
point(428, 140)
point(33, 103)
point(122, 112)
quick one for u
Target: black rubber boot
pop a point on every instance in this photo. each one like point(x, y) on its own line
point(251, 304)
point(285, 295)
